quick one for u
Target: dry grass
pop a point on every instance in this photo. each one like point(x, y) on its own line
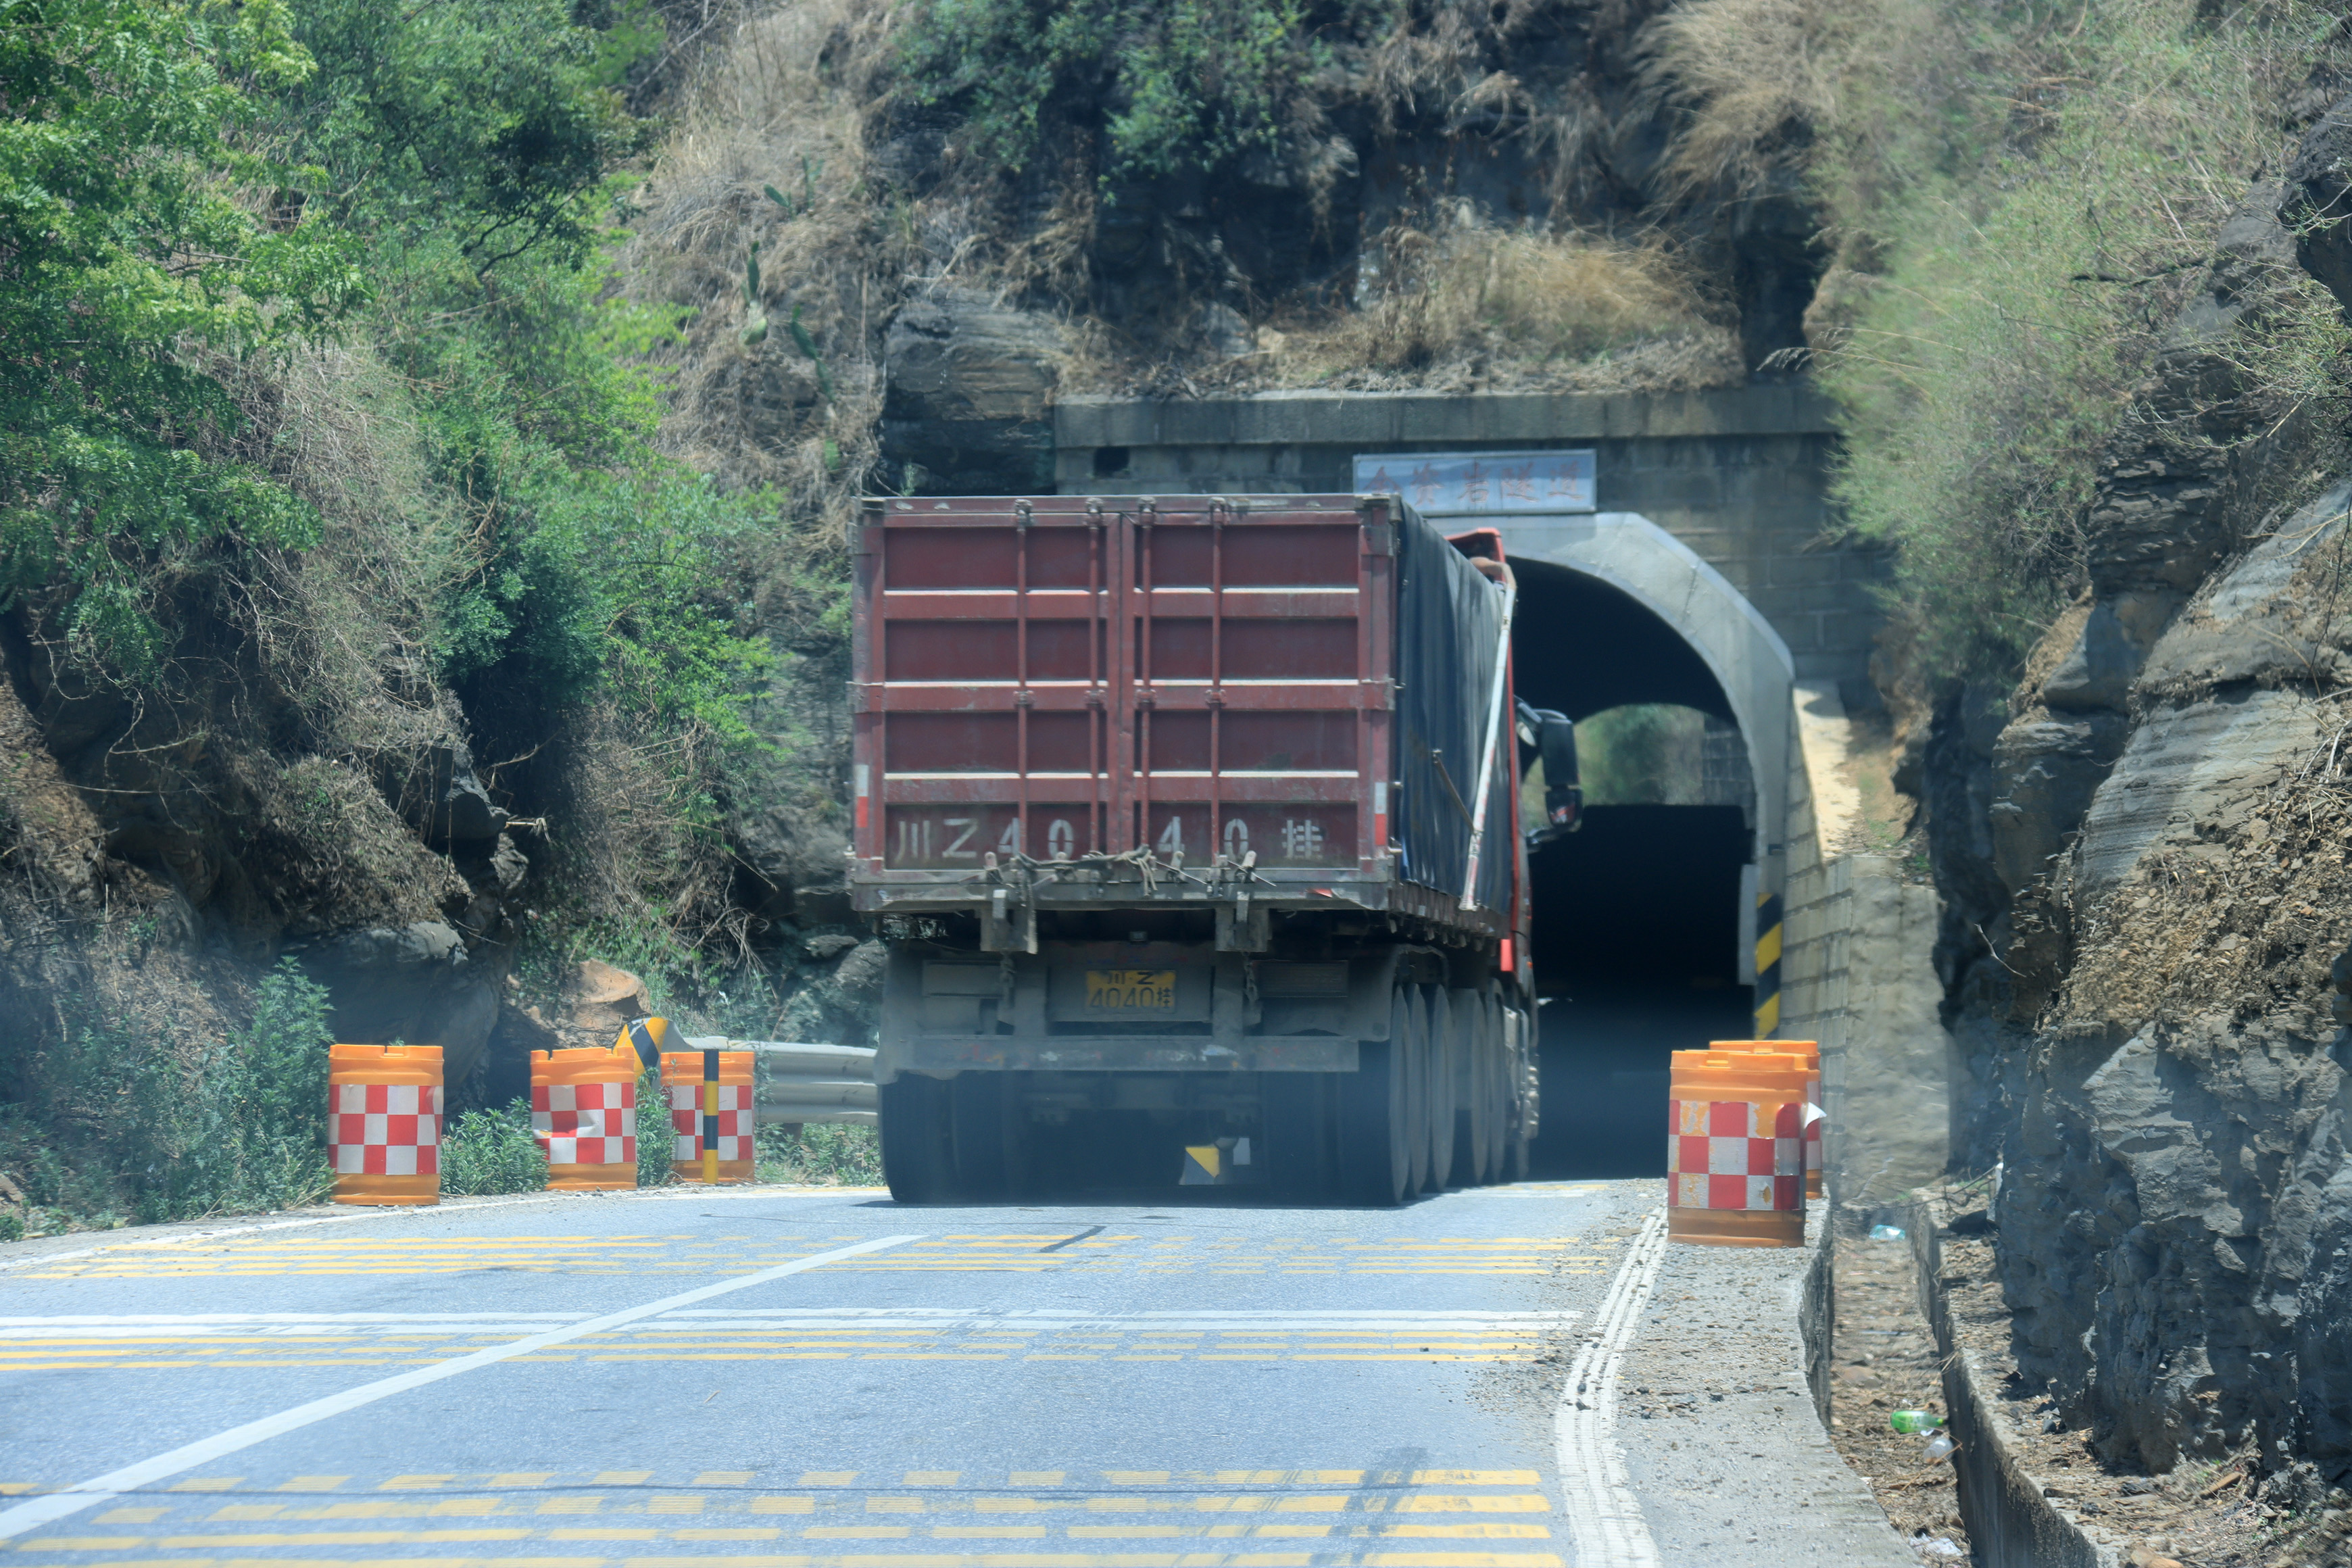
point(784, 104)
point(1469, 309)
point(1475, 307)
point(1755, 78)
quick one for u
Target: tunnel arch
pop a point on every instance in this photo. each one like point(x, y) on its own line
point(1753, 673)
point(1645, 926)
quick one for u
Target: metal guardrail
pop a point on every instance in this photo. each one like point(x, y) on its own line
point(799, 1081)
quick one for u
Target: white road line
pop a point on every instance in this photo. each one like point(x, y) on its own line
point(1604, 1517)
point(104, 1488)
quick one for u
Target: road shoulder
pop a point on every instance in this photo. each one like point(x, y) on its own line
point(1717, 1425)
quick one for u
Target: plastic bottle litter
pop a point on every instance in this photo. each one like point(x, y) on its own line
point(1886, 1233)
point(1915, 1420)
point(1939, 1447)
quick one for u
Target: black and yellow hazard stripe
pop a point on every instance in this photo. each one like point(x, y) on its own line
point(1768, 966)
point(646, 1035)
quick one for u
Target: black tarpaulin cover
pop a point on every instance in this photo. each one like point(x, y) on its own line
point(1449, 627)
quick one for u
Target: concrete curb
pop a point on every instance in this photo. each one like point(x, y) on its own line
point(1817, 1313)
point(2010, 1524)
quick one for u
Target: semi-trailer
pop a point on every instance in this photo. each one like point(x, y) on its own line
point(1192, 825)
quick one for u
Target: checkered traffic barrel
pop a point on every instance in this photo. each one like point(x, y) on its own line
point(583, 1112)
point(1814, 1114)
point(384, 1123)
point(1735, 1147)
point(712, 1116)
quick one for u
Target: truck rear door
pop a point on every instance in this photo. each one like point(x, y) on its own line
point(1065, 677)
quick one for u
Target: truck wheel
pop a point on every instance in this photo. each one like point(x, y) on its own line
point(1295, 1114)
point(1373, 1155)
point(1468, 1169)
point(977, 1103)
point(1498, 1087)
point(1416, 1092)
point(915, 1152)
point(1445, 1036)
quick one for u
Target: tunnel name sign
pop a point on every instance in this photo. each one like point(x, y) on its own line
point(1468, 484)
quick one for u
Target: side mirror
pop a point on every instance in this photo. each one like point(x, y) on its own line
point(1553, 735)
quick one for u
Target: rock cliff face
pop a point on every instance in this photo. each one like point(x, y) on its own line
point(2142, 854)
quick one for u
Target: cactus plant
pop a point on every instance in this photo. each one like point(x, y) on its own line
point(755, 320)
point(807, 345)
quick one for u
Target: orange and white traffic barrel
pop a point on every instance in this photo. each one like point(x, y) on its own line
point(583, 1112)
point(1815, 1114)
point(1735, 1147)
point(384, 1123)
point(712, 1116)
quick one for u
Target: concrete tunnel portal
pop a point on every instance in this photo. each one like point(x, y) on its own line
point(1639, 919)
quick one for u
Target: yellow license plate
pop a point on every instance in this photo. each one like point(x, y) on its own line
point(1131, 990)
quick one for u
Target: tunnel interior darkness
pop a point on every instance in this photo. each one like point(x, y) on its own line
point(1636, 916)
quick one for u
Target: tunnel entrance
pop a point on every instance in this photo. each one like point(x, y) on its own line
point(1637, 917)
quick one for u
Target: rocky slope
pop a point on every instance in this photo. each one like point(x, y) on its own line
point(2142, 850)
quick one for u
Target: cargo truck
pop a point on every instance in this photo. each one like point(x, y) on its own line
point(1192, 826)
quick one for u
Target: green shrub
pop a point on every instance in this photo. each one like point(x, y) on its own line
point(2032, 206)
point(117, 1116)
point(655, 1139)
point(1194, 83)
point(128, 262)
point(821, 1154)
point(492, 1152)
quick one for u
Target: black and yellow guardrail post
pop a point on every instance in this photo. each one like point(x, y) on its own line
point(711, 1116)
point(1768, 966)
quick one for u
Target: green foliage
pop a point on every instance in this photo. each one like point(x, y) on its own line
point(186, 189)
point(655, 1139)
point(1645, 754)
point(120, 1116)
point(1192, 84)
point(2043, 198)
point(614, 581)
point(129, 268)
point(485, 121)
point(821, 1154)
point(492, 1152)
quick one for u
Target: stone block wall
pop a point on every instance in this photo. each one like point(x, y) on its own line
point(1857, 974)
point(1739, 476)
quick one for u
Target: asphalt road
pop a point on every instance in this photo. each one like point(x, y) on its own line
point(756, 1378)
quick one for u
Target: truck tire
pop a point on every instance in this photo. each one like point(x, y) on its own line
point(1473, 1127)
point(1416, 1093)
point(1468, 1168)
point(977, 1111)
point(1445, 1036)
point(1297, 1113)
point(916, 1156)
point(1374, 1163)
point(1498, 1088)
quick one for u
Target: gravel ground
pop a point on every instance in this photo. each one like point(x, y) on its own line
point(2203, 1515)
point(1885, 1361)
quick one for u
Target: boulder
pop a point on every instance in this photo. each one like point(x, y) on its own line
point(416, 983)
point(599, 997)
point(2317, 201)
point(970, 383)
point(2046, 767)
